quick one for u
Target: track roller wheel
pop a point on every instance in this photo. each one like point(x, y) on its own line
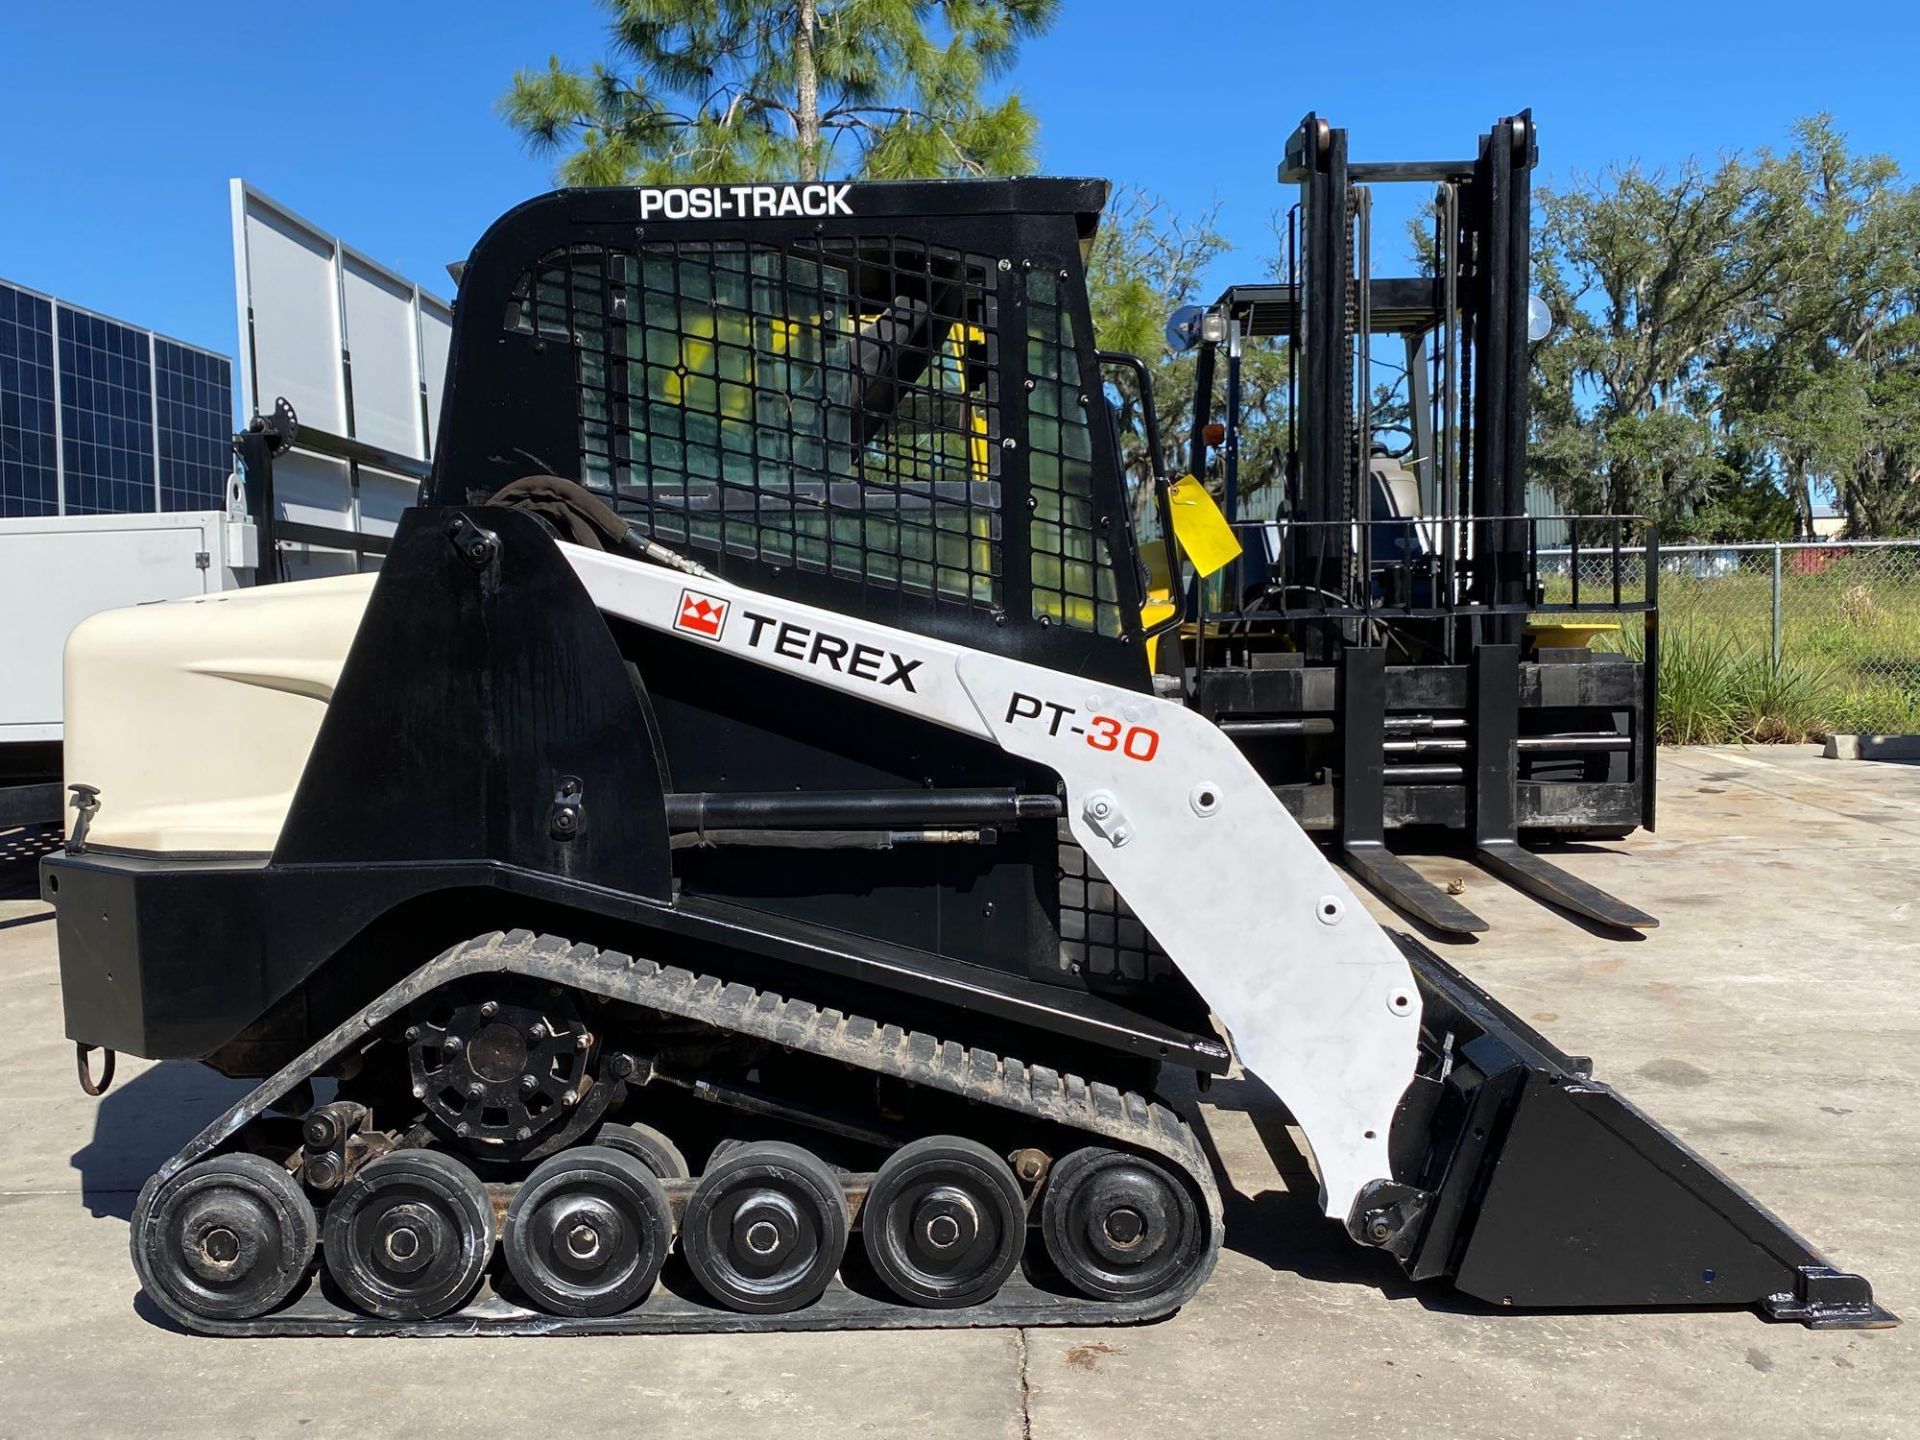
point(649, 1146)
point(228, 1238)
point(1118, 1226)
point(587, 1232)
point(766, 1228)
point(408, 1237)
point(944, 1222)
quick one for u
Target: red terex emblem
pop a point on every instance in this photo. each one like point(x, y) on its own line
point(700, 615)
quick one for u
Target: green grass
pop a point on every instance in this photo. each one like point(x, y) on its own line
point(1713, 692)
point(1849, 652)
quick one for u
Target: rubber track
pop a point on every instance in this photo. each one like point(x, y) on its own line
point(1125, 1118)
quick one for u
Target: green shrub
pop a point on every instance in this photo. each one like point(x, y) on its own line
point(1697, 701)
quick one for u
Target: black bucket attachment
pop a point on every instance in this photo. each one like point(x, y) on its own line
point(1528, 1183)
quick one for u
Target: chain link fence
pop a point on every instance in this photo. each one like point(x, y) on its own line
point(1838, 620)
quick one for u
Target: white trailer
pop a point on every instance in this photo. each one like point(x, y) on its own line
point(55, 571)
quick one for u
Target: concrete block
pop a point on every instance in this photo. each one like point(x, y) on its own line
point(1873, 747)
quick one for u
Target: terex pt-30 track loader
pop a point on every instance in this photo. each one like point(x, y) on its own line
point(739, 818)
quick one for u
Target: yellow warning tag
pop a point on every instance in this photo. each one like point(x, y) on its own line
point(1204, 534)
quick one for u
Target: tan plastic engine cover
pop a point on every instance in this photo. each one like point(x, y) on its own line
point(194, 718)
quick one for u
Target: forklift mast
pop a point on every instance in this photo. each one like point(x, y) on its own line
point(1394, 646)
point(1466, 364)
point(1473, 318)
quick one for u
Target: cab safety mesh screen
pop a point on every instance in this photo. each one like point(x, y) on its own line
point(1071, 565)
point(827, 404)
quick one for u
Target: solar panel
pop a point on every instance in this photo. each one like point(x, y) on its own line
point(100, 417)
point(194, 405)
point(29, 465)
point(106, 415)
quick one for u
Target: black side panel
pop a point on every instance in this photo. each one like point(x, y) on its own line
point(477, 694)
point(175, 959)
point(133, 943)
point(172, 959)
point(730, 726)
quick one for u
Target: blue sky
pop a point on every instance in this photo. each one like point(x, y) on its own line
point(123, 119)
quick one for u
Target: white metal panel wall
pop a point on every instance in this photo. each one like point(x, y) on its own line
point(300, 561)
point(358, 349)
point(383, 341)
point(436, 341)
point(382, 497)
point(290, 338)
point(308, 301)
point(311, 489)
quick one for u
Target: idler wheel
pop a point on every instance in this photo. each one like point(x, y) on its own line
point(1119, 1226)
point(587, 1232)
point(766, 1228)
point(944, 1222)
point(227, 1239)
point(408, 1237)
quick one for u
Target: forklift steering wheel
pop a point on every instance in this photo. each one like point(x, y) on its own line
point(1381, 448)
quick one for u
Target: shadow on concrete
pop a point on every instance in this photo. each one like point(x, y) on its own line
point(141, 1122)
point(1574, 918)
point(1285, 1230)
point(147, 1310)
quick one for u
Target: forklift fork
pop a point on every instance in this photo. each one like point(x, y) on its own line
point(1497, 847)
point(1363, 848)
point(1496, 710)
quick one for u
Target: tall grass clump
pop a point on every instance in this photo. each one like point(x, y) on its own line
point(1697, 704)
point(1714, 692)
point(1784, 703)
point(1697, 671)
